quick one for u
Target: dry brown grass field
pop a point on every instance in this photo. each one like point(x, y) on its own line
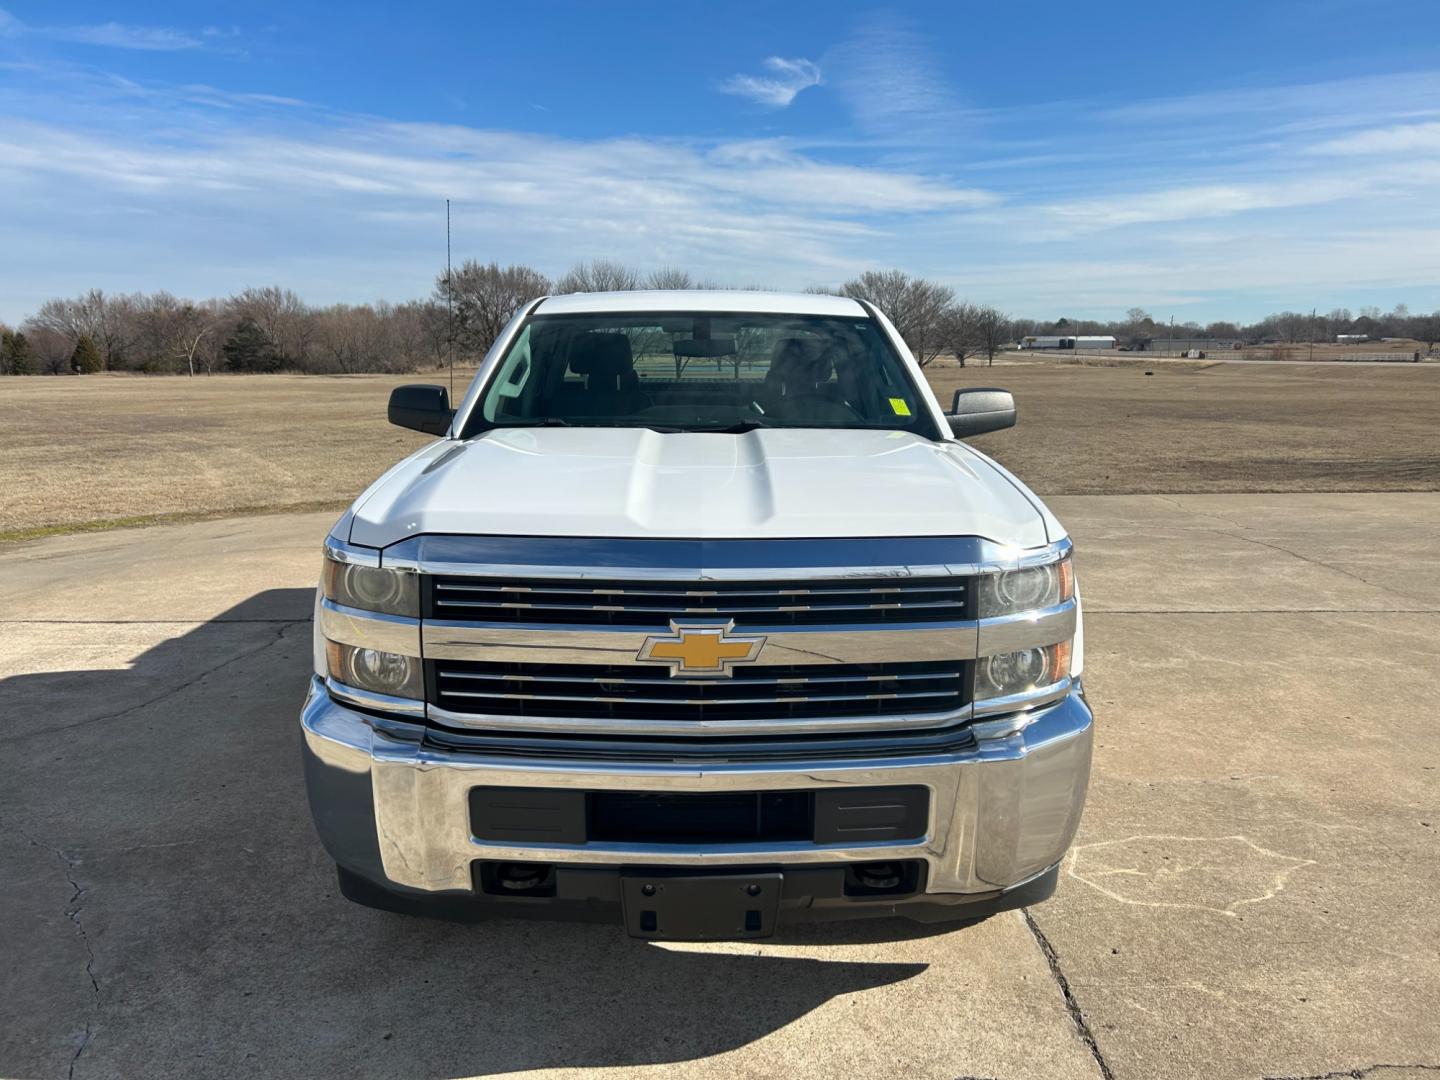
point(106, 450)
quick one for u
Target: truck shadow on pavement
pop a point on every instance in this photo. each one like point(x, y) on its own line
point(170, 910)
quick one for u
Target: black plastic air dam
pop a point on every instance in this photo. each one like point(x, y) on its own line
point(592, 894)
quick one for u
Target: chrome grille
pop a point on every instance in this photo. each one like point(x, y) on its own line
point(628, 692)
point(835, 602)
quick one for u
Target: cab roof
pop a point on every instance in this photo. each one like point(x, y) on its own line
point(728, 300)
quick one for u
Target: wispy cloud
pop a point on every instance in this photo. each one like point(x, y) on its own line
point(786, 78)
point(887, 73)
point(1397, 139)
point(634, 177)
point(111, 35)
point(1290, 110)
point(119, 36)
point(1200, 201)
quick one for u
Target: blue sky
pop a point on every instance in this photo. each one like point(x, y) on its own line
point(1202, 161)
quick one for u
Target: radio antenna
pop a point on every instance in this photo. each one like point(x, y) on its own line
point(449, 302)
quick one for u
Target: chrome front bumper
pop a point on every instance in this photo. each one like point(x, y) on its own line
point(396, 812)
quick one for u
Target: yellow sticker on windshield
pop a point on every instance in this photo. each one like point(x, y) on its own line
point(898, 404)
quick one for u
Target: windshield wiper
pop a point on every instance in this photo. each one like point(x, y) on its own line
point(733, 429)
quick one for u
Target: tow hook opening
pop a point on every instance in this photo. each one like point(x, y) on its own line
point(517, 879)
point(882, 878)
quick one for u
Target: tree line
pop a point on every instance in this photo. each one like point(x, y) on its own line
point(272, 329)
point(1139, 328)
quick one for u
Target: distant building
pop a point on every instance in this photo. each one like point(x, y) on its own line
point(1188, 344)
point(1077, 341)
point(1350, 339)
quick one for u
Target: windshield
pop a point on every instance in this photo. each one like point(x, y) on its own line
point(701, 372)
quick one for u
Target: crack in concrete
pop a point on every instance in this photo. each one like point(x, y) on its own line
point(1077, 1017)
point(1358, 1073)
point(1315, 562)
point(72, 912)
point(1196, 513)
point(1239, 532)
point(279, 636)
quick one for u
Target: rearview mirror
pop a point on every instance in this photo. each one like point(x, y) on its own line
point(980, 409)
point(421, 407)
point(711, 348)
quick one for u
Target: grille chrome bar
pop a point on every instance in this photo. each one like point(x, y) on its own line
point(632, 700)
point(677, 611)
point(749, 681)
point(863, 602)
point(740, 590)
point(623, 696)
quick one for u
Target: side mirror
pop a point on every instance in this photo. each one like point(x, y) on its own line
point(980, 409)
point(421, 407)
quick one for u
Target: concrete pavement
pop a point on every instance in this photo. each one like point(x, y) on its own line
point(1253, 892)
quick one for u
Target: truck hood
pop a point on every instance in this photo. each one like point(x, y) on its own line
point(634, 482)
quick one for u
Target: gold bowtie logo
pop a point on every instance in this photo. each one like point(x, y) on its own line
point(700, 650)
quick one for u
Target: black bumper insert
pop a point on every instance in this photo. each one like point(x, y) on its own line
point(841, 815)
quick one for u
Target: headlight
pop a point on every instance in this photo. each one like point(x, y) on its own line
point(374, 670)
point(1028, 589)
point(369, 588)
point(1022, 671)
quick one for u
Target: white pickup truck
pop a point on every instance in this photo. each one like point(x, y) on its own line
point(698, 617)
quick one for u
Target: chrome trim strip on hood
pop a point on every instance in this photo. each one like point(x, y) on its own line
point(712, 560)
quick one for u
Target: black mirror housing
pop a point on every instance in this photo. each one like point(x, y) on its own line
point(980, 409)
point(421, 407)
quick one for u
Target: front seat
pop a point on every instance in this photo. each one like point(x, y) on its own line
point(797, 386)
point(791, 371)
point(612, 388)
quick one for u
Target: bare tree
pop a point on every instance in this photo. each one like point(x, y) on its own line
point(1293, 326)
point(962, 330)
point(282, 316)
point(1138, 328)
point(94, 315)
point(194, 326)
point(404, 333)
point(486, 296)
point(916, 306)
point(1426, 328)
point(993, 331)
point(669, 277)
point(167, 334)
point(599, 275)
point(433, 324)
point(340, 334)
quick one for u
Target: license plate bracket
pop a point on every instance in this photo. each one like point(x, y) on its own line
point(700, 907)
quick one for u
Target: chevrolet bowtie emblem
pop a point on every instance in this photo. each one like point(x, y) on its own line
point(701, 650)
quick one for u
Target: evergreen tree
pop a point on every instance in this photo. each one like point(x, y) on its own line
point(15, 355)
point(249, 350)
point(85, 360)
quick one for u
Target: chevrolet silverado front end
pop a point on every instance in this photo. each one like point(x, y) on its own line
point(698, 617)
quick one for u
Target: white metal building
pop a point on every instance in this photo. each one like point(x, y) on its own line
point(1079, 341)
